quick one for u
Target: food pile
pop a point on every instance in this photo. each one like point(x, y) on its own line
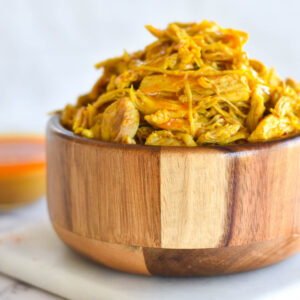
point(194, 85)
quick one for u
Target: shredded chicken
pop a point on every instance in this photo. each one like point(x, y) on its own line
point(194, 85)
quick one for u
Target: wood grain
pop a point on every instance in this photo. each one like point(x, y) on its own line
point(120, 191)
point(177, 198)
point(194, 198)
point(121, 257)
point(182, 262)
point(217, 261)
point(265, 202)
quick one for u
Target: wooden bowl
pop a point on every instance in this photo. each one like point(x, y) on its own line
point(175, 211)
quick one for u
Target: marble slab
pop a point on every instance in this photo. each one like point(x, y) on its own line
point(12, 289)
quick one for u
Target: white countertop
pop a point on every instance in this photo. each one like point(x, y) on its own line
point(31, 252)
point(14, 289)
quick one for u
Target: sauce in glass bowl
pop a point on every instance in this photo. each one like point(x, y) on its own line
point(22, 169)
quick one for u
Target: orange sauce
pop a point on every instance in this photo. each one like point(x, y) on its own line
point(22, 169)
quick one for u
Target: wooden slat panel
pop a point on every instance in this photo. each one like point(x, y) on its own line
point(195, 195)
point(130, 197)
point(204, 262)
point(58, 180)
point(104, 192)
point(266, 197)
point(116, 256)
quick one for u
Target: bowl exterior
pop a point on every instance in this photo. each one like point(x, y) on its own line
point(171, 204)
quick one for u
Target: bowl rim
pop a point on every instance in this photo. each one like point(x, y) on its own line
point(58, 128)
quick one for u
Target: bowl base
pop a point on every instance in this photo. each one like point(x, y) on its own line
point(182, 262)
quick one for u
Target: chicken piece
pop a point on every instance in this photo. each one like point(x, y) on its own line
point(273, 78)
point(149, 105)
point(294, 85)
point(223, 135)
point(260, 69)
point(284, 106)
point(142, 133)
point(167, 138)
point(128, 140)
point(157, 83)
point(96, 127)
point(169, 120)
point(126, 78)
point(109, 97)
point(271, 127)
point(189, 52)
point(257, 108)
point(67, 116)
point(218, 52)
point(232, 86)
point(80, 120)
point(119, 120)
point(85, 122)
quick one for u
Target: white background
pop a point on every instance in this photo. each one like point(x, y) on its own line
point(48, 48)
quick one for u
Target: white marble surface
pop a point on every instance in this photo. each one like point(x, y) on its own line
point(31, 252)
point(11, 288)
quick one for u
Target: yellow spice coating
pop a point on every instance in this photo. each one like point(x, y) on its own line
point(194, 85)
